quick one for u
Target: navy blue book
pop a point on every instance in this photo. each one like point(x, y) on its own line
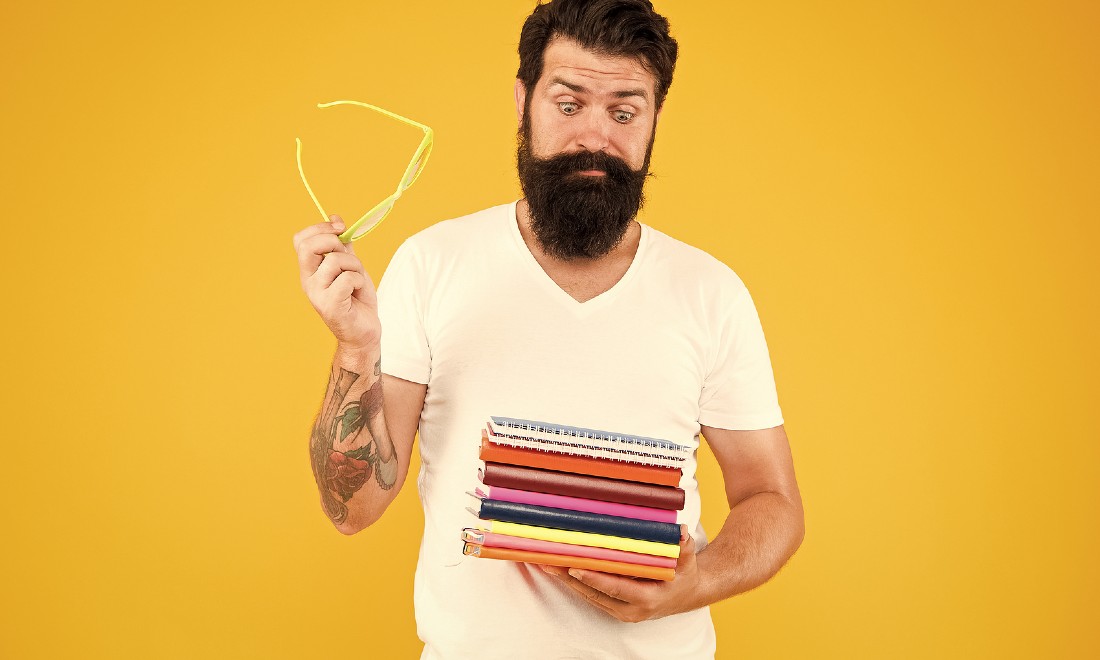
point(579, 521)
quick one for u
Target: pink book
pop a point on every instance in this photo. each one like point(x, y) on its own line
point(492, 540)
point(581, 504)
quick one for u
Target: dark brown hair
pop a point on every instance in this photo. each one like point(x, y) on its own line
point(618, 28)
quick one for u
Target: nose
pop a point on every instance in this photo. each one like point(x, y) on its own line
point(595, 133)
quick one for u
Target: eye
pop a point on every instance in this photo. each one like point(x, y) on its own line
point(568, 108)
point(622, 116)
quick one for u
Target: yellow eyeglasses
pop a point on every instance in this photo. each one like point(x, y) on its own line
point(373, 217)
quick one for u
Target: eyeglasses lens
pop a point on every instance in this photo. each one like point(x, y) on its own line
point(371, 221)
point(418, 166)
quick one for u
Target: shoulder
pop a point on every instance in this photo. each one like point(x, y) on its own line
point(454, 236)
point(460, 244)
point(691, 266)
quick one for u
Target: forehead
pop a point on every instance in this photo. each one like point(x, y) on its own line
point(565, 58)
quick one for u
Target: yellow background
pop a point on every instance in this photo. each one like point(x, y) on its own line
point(908, 188)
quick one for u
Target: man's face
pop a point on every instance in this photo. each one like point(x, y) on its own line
point(585, 140)
point(589, 102)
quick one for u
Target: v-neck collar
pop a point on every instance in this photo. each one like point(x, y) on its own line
point(581, 309)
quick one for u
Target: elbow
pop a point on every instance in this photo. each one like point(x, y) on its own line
point(346, 520)
point(799, 534)
point(798, 524)
point(348, 529)
point(355, 522)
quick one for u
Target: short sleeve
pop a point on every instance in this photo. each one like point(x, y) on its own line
point(739, 388)
point(405, 350)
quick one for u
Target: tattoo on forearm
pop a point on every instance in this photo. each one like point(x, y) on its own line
point(343, 456)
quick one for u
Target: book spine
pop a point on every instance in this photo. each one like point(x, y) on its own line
point(494, 540)
point(581, 504)
point(567, 561)
point(591, 466)
point(585, 538)
point(580, 521)
point(580, 485)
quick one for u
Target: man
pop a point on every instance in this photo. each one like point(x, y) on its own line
point(559, 307)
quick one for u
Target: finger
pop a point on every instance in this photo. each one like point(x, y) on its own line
point(556, 571)
point(335, 226)
point(687, 552)
point(590, 590)
point(613, 607)
point(313, 249)
point(687, 545)
point(345, 285)
point(346, 243)
point(564, 574)
point(617, 587)
point(341, 261)
point(331, 266)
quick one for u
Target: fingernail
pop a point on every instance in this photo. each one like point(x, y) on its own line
point(574, 573)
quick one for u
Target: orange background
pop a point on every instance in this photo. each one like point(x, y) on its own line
point(908, 188)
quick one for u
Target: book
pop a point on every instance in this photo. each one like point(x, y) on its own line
point(586, 442)
point(495, 540)
point(600, 467)
point(582, 485)
point(579, 504)
point(579, 435)
point(578, 521)
point(569, 561)
point(582, 538)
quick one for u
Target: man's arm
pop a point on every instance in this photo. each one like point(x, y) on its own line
point(764, 527)
point(765, 524)
point(361, 442)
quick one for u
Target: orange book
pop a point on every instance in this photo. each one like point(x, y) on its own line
point(567, 561)
point(598, 467)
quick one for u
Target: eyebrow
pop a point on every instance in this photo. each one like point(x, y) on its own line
point(622, 94)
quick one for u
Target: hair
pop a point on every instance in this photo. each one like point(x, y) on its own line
point(616, 28)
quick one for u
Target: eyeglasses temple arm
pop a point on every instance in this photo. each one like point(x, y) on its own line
point(377, 109)
point(302, 174)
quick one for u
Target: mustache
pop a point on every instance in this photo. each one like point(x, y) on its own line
point(615, 169)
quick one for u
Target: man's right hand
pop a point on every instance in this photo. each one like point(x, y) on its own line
point(337, 285)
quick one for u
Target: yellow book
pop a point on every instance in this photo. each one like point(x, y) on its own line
point(582, 538)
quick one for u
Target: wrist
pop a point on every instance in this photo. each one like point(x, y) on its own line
point(358, 354)
point(718, 576)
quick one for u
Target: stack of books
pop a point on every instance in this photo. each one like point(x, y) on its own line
point(578, 498)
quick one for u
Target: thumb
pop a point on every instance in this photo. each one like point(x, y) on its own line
point(687, 549)
point(338, 225)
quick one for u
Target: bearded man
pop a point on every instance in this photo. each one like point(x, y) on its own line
point(561, 307)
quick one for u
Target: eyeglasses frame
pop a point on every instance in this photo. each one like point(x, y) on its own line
point(421, 154)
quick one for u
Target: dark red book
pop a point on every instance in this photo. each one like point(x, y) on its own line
point(582, 485)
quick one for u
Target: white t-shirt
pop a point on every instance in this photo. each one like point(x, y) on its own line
point(466, 309)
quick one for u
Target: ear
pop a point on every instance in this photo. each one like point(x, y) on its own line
point(521, 97)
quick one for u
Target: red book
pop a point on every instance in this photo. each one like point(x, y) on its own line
point(599, 467)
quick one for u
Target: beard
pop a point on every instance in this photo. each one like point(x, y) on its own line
point(575, 215)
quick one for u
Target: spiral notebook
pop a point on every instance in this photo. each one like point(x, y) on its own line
point(578, 441)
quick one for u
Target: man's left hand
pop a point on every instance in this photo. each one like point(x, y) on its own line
point(632, 600)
